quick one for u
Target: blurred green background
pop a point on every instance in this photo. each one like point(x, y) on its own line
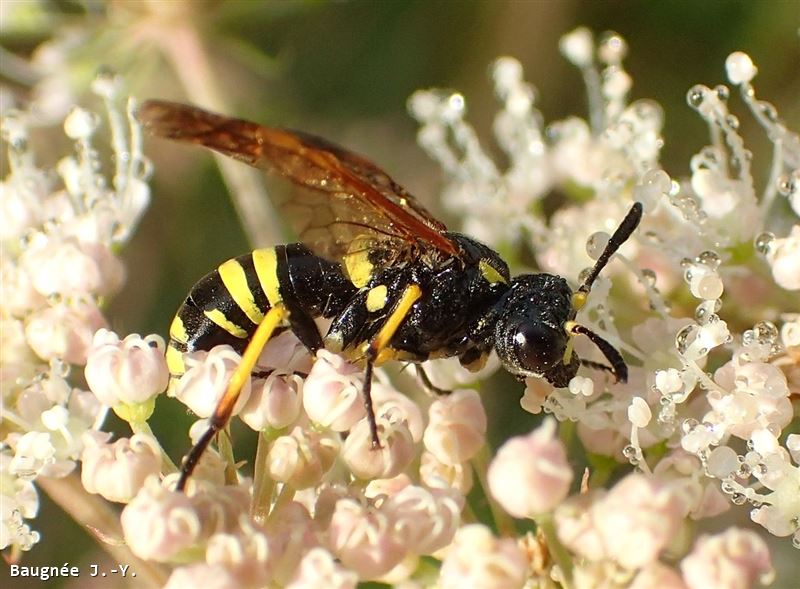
point(344, 70)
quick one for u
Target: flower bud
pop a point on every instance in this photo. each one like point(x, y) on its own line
point(130, 371)
point(274, 402)
point(319, 569)
point(435, 473)
point(427, 519)
point(64, 331)
point(457, 426)
point(302, 458)
point(530, 474)
point(332, 392)
point(392, 458)
point(206, 380)
point(157, 524)
point(117, 471)
point(364, 539)
point(478, 560)
point(733, 559)
point(649, 513)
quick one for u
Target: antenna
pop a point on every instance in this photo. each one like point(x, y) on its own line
point(620, 236)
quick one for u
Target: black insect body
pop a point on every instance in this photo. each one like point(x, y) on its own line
point(394, 283)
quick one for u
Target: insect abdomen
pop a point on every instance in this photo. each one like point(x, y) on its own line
point(227, 305)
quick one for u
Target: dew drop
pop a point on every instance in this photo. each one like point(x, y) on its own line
point(596, 243)
point(723, 93)
point(763, 242)
point(696, 96)
point(732, 121)
point(709, 258)
point(684, 337)
point(768, 110)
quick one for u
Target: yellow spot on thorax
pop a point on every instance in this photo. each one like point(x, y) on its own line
point(235, 280)
point(356, 262)
point(376, 298)
point(266, 264)
point(490, 273)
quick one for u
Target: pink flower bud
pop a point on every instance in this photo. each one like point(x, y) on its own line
point(117, 471)
point(319, 569)
point(274, 402)
point(64, 331)
point(657, 576)
point(302, 458)
point(206, 380)
point(530, 474)
point(427, 519)
point(364, 539)
point(637, 519)
point(332, 392)
point(733, 559)
point(392, 458)
point(435, 473)
point(69, 267)
point(478, 560)
point(203, 575)
point(246, 554)
point(576, 527)
point(457, 427)
point(129, 371)
point(388, 399)
point(158, 524)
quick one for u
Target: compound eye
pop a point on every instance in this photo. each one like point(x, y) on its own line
point(539, 346)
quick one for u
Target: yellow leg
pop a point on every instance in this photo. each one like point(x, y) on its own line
point(224, 408)
point(410, 295)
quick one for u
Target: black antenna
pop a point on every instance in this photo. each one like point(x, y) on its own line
point(620, 236)
point(618, 366)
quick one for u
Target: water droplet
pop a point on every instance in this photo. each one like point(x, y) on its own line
point(689, 425)
point(732, 121)
point(723, 93)
point(696, 96)
point(763, 242)
point(710, 259)
point(738, 498)
point(768, 110)
point(765, 332)
point(596, 243)
point(788, 184)
point(684, 337)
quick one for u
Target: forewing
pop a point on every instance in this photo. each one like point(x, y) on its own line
point(333, 198)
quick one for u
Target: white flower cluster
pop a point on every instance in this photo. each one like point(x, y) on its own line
point(716, 435)
point(702, 417)
point(57, 264)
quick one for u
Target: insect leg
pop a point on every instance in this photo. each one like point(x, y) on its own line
point(379, 343)
point(224, 408)
point(427, 384)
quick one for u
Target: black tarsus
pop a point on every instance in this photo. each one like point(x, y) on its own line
point(371, 355)
point(194, 455)
point(426, 382)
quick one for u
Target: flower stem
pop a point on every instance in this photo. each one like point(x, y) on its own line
point(560, 554)
point(102, 522)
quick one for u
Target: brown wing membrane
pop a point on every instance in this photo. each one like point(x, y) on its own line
point(336, 197)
